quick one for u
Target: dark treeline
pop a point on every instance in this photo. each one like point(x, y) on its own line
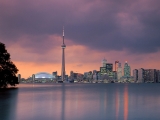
point(8, 70)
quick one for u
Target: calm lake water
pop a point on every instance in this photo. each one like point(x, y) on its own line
point(81, 102)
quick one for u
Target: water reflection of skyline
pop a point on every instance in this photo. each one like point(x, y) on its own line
point(117, 105)
point(79, 102)
point(99, 106)
point(121, 103)
point(126, 103)
point(67, 103)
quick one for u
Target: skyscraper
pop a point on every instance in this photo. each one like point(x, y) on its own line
point(55, 76)
point(135, 75)
point(140, 75)
point(158, 75)
point(63, 59)
point(127, 70)
point(148, 75)
point(119, 71)
point(104, 62)
point(109, 67)
point(116, 65)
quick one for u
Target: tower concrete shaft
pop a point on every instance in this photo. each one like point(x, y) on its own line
point(63, 59)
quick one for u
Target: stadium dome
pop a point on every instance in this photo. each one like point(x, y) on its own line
point(44, 75)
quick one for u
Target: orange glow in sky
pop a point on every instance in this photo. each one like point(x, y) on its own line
point(78, 59)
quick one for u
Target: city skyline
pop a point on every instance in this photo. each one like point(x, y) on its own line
point(126, 30)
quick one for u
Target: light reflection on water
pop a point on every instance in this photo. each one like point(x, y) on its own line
point(126, 103)
point(81, 102)
point(117, 105)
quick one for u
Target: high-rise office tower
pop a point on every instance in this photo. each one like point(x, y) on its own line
point(55, 76)
point(103, 67)
point(63, 59)
point(119, 71)
point(127, 70)
point(146, 75)
point(149, 75)
point(33, 78)
point(135, 75)
point(71, 75)
point(19, 78)
point(104, 62)
point(158, 75)
point(109, 67)
point(116, 65)
point(140, 75)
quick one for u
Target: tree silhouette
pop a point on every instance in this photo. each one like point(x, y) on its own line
point(8, 70)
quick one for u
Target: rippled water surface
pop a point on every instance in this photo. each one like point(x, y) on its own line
point(81, 102)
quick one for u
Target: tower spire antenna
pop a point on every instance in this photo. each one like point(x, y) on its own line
point(63, 34)
point(63, 30)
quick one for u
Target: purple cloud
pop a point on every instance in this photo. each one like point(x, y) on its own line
point(102, 25)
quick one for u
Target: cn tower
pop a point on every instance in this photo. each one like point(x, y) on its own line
point(63, 59)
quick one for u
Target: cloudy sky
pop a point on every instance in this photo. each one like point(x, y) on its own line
point(94, 29)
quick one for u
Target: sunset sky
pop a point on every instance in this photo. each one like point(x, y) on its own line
point(94, 29)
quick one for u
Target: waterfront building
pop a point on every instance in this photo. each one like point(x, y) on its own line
point(140, 75)
point(90, 76)
point(76, 76)
point(114, 75)
point(19, 78)
point(119, 71)
point(109, 70)
point(28, 80)
point(127, 70)
point(85, 75)
point(66, 77)
point(94, 71)
point(149, 75)
point(33, 78)
point(105, 78)
point(109, 67)
point(158, 76)
point(98, 75)
point(116, 65)
point(135, 75)
point(71, 75)
point(95, 76)
point(55, 74)
point(103, 70)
